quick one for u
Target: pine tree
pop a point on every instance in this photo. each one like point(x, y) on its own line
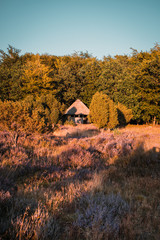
point(124, 114)
point(113, 115)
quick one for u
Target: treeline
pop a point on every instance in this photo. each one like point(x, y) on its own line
point(133, 81)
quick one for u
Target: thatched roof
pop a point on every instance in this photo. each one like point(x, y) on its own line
point(77, 108)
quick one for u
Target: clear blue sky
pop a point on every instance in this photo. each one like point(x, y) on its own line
point(61, 27)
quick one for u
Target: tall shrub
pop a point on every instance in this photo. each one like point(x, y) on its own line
point(102, 111)
point(124, 114)
point(33, 114)
point(113, 115)
point(45, 112)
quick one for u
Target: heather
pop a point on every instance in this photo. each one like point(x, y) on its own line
point(80, 183)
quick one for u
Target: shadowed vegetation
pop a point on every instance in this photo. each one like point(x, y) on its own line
point(99, 187)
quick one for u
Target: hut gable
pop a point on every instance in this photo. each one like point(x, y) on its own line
point(77, 108)
point(77, 112)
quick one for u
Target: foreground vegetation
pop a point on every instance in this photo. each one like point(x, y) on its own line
point(80, 183)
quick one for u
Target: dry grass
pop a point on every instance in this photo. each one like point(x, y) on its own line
point(79, 131)
point(148, 134)
point(84, 185)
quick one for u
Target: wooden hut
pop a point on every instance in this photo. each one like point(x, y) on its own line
point(77, 112)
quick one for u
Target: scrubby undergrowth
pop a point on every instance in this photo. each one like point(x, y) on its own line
point(80, 187)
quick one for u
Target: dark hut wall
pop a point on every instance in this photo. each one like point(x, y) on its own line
point(77, 112)
point(77, 118)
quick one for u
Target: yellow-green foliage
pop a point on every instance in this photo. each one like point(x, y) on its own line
point(102, 111)
point(35, 76)
point(113, 115)
point(10, 112)
point(124, 114)
point(33, 115)
point(99, 110)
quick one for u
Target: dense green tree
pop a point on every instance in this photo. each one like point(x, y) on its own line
point(32, 114)
point(36, 78)
point(102, 111)
point(124, 114)
point(69, 84)
point(113, 115)
point(89, 74)
point(99, 110)
point(148, 84)
point(11, 70)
